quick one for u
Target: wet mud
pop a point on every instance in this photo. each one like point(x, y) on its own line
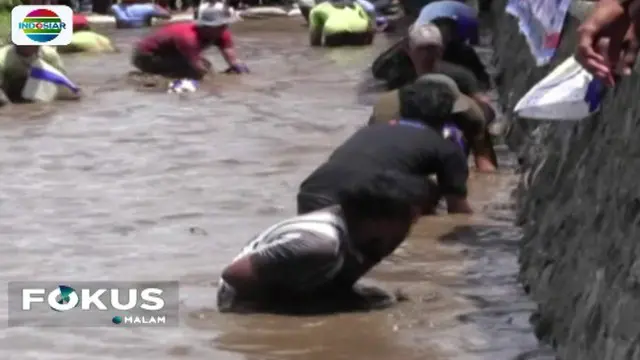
point(137, 185)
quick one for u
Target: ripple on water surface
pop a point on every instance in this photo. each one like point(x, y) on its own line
point(139, 186)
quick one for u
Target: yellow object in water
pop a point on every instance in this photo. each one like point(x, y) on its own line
point(88, 41)
point(351, 19)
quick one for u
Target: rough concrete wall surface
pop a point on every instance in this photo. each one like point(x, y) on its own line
point(579, 206)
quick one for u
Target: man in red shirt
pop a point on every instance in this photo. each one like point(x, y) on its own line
point(176, 49)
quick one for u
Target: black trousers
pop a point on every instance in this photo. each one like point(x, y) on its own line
point(170, 66)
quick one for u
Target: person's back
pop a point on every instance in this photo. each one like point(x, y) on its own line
point(349, 19)
point(410, 149)
point(447, 9)
point(324, 231)
point(164, 41)
point(134, 15)
point(88, 41)
point(340, 23)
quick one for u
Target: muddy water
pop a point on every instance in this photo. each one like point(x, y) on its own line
point(140, 186)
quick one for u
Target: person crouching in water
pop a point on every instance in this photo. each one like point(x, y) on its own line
point(312, 263)
point(176, 49)
point(16, 62)
point(466, 115)
point(137, 14)
point(86, 40)
point(411, 144)
point(340, 22)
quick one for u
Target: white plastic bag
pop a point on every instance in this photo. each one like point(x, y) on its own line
point(569, 92)
point(46, 83)
point(182, 86)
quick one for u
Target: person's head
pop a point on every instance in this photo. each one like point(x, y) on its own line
point(213, 20)
point(379, 211)
point(425, 47)
point(429, 101)
point(27, 50)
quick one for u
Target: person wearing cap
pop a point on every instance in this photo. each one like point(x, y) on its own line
point(458, 22)
point(340, 22)
point(15, 64)
point(84, 39)
point(425, 49)
point(410, 145)
point(176, 49)
point(137, 13)
point(459, 26)
point(466, 115)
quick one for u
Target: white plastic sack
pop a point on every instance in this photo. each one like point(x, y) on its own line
point(569, 92)
point(46, 83)
point(182, 86)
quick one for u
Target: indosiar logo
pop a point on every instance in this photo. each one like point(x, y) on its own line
point(41, 25)
point(65, 298)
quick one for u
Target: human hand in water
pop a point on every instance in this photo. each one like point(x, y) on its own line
point(237, 69)
point(607, 42)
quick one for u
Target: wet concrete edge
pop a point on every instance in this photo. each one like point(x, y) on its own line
point(578, 205)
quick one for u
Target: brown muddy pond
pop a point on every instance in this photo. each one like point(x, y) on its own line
point(112, 188)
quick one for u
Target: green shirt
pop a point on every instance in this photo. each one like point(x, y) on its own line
point(332, 20)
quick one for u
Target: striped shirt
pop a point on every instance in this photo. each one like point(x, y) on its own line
point(303, 255)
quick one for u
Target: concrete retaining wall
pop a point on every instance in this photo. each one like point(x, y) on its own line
point(579, 206)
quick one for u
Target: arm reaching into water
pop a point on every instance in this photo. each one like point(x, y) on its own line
point(317, 18)
point(228, 51)
point(452, 173)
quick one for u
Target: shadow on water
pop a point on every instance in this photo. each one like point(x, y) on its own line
point(138, 186)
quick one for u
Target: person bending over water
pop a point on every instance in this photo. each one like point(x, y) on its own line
point(425, 49)
point(381, 21)
point(137, 13)
point(466, 115)
point(86, 40)
point(410, 144)
point(311, 263)
point(176, 49)
point(340, 22)
point(458, 25)
point(15, 65)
